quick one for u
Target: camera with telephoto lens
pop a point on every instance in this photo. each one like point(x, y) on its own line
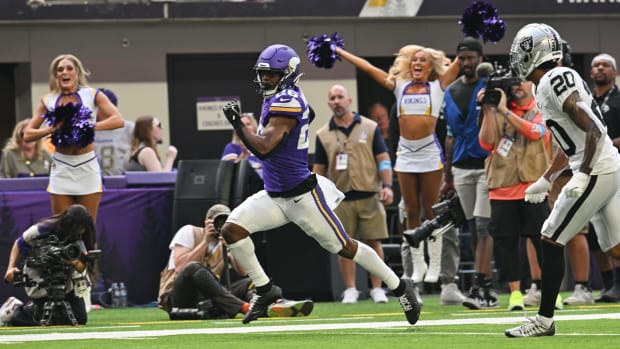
point(448, 213)
point(50, 260)
point(218, 221)
point(501, 78)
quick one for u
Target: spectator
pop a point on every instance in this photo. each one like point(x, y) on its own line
point(236, 151)
point(69, 111)
point(113, 146)
point(197, 264)
point(24, 159)
point(147, 133)
point(464, 170)
point(350, 151)
point(604, 72)
point(378, 113)
point(423, 73)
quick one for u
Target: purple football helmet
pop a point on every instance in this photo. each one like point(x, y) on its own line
point(278, 58)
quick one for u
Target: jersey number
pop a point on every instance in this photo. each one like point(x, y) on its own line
point(561, 137)
point(562, 82)
point(106, 157)
point(302, 142)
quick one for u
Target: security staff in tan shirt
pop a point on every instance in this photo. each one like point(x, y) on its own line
point(351, 152)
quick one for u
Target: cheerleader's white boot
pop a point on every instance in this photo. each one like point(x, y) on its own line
point(419, 264)
point(434, 254)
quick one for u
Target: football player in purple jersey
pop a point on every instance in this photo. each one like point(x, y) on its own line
point(292, 193)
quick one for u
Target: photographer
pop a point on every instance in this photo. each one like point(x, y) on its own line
point(191, 283)
point(519, 150)
point(56, 259)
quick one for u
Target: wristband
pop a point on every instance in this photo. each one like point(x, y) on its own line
point(507, 113)
point(387, 185)
point(385, 165)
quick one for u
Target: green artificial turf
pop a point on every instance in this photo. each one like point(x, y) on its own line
point(334, 327)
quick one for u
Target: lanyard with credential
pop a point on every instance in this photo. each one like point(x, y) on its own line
point(342, 158)
point(604, 106)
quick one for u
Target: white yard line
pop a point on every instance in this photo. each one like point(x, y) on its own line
point(9, 338)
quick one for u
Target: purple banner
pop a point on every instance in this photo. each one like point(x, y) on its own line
point(134, 228)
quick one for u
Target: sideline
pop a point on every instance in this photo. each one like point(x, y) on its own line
point(19, 338)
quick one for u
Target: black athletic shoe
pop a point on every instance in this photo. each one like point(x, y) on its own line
point(490, 298)
point(612, 295)
point(409, 302)
point(260, 304)
point(474, 299)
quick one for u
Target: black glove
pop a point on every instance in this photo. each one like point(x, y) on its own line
point(232, 112)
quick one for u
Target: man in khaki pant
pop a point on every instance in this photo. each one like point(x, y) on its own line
point(351, 152)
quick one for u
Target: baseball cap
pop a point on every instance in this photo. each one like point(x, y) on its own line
point(110, 94)
point(469, 44)
point(605, 57)
point(217, 210)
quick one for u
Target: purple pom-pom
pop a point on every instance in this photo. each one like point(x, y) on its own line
point(76, 127)
point(494, 29)
point(480, 20)
point(322, 50)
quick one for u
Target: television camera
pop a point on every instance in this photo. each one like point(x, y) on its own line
point(496, 77)
point(448, 214)
point(48, 269)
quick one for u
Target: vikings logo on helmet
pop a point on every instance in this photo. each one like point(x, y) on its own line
point(281, 59)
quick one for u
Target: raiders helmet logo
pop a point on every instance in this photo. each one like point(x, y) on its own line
point(527, 44)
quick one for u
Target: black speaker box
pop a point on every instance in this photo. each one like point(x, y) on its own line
point(204, 179)
point(200, 184)
point(246, 183)
point(301, 267)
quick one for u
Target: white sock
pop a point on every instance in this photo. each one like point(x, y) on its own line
point(243, 252)
point(546, 321)
point(370, 260)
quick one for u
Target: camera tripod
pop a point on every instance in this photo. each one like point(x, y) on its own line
point(49, 310)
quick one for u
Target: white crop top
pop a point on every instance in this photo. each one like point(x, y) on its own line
point(409, 103)
point(86, 95)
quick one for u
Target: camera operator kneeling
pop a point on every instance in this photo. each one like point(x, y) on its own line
point(57, 253)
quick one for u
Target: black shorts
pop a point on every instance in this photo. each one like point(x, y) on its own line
point(510, 218)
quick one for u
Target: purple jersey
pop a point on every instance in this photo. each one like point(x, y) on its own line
point(287, 167)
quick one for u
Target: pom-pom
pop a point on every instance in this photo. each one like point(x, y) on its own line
point(76, 127)
point(322, 50)
point(480, 20)
point(494, 29)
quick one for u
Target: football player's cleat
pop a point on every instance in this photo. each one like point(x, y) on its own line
point(289, 308)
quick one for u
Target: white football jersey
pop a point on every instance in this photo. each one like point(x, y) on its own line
point(113, 148)
point(552, 90)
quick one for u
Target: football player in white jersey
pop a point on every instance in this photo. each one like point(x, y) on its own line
point(578, 129)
